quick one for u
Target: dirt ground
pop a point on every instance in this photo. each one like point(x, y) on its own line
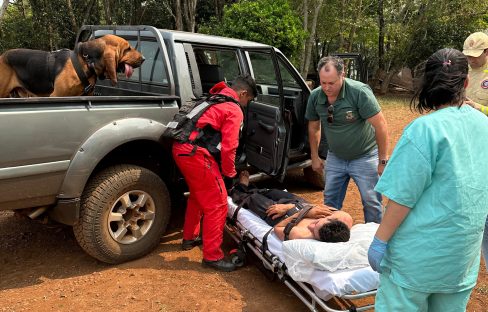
point(43, 269)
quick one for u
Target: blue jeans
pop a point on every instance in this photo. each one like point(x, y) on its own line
point(364, 172)
point(484, 246)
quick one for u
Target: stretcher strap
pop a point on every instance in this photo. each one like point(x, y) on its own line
point(304, 209)
point(233, 219)
point(264, 246)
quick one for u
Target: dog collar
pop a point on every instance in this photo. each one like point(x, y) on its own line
point(81, 73)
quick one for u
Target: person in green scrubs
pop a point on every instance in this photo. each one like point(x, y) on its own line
point(427, 247)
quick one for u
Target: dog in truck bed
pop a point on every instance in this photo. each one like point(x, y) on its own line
point(25, 72)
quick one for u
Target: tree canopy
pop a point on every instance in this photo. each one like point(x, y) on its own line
point(390, 33)
point(270, 22)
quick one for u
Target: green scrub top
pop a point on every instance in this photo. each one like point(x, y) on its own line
point(438, 169)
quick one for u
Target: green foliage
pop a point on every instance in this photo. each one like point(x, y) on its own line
point(16, 30)
point(48, 24)
point(413, 29)
point(438, 29)
point(267, 21)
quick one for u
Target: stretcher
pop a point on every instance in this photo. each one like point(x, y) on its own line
point(251, 233)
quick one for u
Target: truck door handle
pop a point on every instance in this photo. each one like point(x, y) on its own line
point(268, 128)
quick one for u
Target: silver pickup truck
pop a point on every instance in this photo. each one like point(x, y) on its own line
point(98, 163)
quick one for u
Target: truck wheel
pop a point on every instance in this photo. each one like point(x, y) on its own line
point(124, 211)
point(317, 180)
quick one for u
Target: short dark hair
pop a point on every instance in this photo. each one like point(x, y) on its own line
point(334, 232)
point(336, 61)
point(245, 82)
point(442, 81)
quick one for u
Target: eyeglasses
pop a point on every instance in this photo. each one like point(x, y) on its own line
point(330, 111)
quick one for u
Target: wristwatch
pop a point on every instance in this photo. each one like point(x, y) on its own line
point(383, 161)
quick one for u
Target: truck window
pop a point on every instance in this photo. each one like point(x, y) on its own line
point(152, 70)
point(265, 76)
point(215, 65)
point(288, 79)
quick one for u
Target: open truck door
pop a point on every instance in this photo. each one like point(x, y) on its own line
point(267, 124)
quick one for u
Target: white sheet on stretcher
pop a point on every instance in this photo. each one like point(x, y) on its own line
point(325, 284)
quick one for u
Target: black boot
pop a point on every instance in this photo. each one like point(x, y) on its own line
point(189, 244)
point(220, 265)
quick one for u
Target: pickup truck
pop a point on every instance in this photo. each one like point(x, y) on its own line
point(98, 163)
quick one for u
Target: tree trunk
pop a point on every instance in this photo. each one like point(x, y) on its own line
point(72, 16)
point(189, 14)
point(381, 37)
point(305, 28)
point(3, 9)
point(219, 9)
point(341, 26)
point(386, 81)
point(106, 11)
point(308, 49)
point(178, 15)
point(88, 11)
point(22, 8)
point(354, 25)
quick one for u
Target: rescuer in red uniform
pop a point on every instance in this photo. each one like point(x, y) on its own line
point(204, 176)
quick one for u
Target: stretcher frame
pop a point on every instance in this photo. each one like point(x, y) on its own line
point(271, 262)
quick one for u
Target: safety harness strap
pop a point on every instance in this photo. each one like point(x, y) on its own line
point(304, 209)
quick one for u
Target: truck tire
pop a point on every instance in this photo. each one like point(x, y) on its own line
point(315, 179)
point(124, 212)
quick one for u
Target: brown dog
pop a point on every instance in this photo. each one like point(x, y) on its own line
point(25, 72)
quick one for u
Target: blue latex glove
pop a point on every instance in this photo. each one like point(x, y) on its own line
point(376, 253)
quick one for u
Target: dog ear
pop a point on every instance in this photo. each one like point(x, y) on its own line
point(92, 50)
point(110, 60)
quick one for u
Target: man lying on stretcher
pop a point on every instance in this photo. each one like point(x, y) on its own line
point(291, 216)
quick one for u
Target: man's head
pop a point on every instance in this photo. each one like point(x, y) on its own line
point(331, 75)
point(245, 87)
point(476, 49)
point(331, 229)
point(334, 232)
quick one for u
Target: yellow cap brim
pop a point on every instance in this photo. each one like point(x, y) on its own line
point(472, 52)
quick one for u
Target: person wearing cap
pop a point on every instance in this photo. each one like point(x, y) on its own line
point(476, 49)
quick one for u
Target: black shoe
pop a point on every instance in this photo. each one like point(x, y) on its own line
point(220, 265)
point(189, 244)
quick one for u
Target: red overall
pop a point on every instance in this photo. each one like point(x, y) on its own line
point(208, 196)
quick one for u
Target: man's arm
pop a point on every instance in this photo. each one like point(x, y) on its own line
point(316, 212)
point(230, 138)
point(279, 228)
point(314, 140)
point(477, 106)
point(296, 232)
point(378, 122)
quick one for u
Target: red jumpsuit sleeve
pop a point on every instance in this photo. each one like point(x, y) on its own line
point(230, 128)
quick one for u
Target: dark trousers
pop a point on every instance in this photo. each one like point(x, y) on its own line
point(259, 200)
